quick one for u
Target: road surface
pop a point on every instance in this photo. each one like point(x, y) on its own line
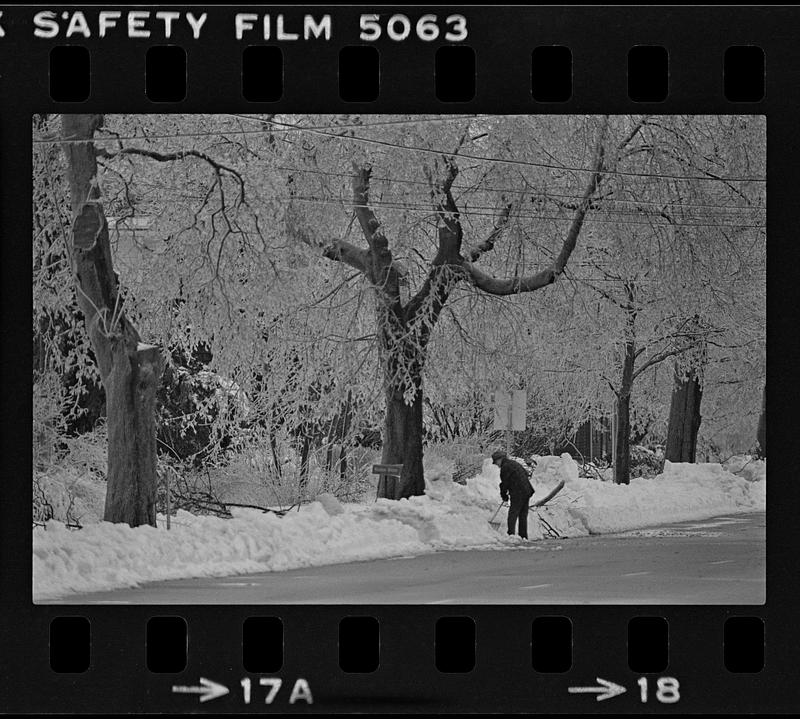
point(712, 561)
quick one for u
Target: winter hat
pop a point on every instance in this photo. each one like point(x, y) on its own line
point(498, 454)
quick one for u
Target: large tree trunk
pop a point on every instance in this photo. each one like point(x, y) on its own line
point(622, 447)
point(684, 418)
point(130, 371)
point(402, 444)
point(622, 466)
point(131, 403)
point(761, 432)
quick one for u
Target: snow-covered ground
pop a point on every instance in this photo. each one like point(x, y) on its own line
point(105, 556)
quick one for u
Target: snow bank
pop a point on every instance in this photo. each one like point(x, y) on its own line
point(682, 492)
point(449, 516)
point(743, 465)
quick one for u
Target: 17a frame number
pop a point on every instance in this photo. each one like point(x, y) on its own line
point(300, 691)
point(667, 690)
point(399, 27)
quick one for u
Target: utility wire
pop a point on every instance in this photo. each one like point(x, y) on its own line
point(664, 206)
point(590, 217)
point(289, 128)
point(524, 163)
point(510, 190)
point(413, 148)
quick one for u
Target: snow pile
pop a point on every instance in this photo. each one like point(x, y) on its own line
point(449, 516)
point(683, 492)
point(743, 465)
point(550, 470)
point(105, 555)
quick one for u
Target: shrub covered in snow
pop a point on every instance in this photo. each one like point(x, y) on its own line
point(70, 485)
point(645, 462)
point(70, 496)
point(464, 457)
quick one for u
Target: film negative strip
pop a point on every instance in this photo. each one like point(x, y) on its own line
point(316, 289)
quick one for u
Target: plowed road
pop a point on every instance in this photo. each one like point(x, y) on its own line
point(711, 561)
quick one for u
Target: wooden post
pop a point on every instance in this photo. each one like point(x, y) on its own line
point(169, 504)
point(508, 430)
point(614, 434)
point(591, 445)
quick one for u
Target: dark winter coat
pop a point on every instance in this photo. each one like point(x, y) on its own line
point(514, 480)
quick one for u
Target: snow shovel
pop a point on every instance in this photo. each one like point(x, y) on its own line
point(495, 524)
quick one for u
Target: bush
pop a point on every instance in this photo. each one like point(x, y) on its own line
point(646, 462)
point(69, 481)
point(465, 455)
point(250, 477)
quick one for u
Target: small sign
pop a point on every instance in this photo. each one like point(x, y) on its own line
point(519, 408)
point(502, 411)
point(510, 409)
point(391, 470)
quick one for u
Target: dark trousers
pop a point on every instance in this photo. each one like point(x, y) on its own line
point(518, 510)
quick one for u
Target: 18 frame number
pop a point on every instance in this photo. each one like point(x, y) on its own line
point(667, 690)
point(399, 27)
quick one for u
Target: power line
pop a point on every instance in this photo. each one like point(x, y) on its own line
point(665, 206)
point(489, 212)
point(432, 211)
point(525, 163)
point(486, 211)
point(509, 190)
point(287, 129)
point(412, 148)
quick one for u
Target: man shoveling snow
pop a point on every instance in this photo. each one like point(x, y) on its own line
point(514, 482)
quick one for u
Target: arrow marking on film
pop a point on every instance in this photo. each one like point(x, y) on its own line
point(606, 691)
point(208, 690)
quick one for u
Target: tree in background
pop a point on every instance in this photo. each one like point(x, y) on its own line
point(680, 268)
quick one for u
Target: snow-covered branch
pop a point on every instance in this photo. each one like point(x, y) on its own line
point(495, 286)
point(180, 155)
point(348, 253)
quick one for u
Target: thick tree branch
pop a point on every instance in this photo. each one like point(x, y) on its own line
point(338, 250)
point(366, 217)
point(451, 233)
point(381, 269)
point(634, 131)
point(180, 155)
point(495, 286)
point(446, 264)
point(348, 253)
point(488, 244)
point(655, 359)
point(580, 213)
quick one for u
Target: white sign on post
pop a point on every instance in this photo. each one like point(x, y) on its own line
point(502, 410)
point(519, 402)
point(510, 409)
